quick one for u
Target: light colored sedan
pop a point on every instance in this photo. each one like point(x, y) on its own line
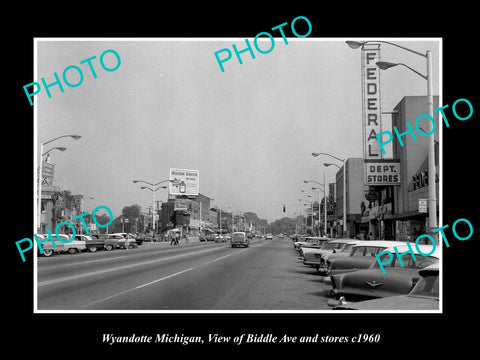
point(313, 257)
point(61, 246)
point(125, 240)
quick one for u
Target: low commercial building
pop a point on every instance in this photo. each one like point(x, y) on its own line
point(355, 197)
point(411, 197)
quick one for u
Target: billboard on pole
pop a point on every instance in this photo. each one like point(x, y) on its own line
point(186, 182)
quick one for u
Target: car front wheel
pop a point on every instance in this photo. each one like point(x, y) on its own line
point(72, 251)
point(108, 247)
point(92, 249)
point(48, 252)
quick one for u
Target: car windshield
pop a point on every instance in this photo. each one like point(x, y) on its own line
point(427, 286)
point(407, 261)
point(366, 250)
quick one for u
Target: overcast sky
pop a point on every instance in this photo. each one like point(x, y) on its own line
point(249, 130)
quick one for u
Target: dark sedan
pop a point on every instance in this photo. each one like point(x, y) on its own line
point(424, 296)
point(92, 244)
point(373, 283)
point(362, 256)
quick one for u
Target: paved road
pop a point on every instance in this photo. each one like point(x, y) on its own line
point(201, 276)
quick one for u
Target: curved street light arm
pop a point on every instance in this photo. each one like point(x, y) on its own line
point(316, 182)
point(163, 181)
point(400, 46)
point(76, 137)
point(357, 44)
point(322, 153)
point(146, 182)
point(328, 164)
point(415, 71)
point(61, 148)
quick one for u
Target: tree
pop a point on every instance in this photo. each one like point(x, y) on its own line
point(102, 219)
point(132, 212)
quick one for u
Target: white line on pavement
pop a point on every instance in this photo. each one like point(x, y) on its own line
point(92, 261)
point(222, 257)
point(140, 286)
point(163, 278)
point(123, 267)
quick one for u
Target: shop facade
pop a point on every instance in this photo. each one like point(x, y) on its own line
point(411, 197)
point(355, 197)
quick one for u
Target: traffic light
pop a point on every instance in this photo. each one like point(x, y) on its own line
point(283, 208)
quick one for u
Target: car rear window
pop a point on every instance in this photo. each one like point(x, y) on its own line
point(420, 261)
point(366, 250)
point(239, 237)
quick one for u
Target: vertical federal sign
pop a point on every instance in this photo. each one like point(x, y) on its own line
point(372, 113)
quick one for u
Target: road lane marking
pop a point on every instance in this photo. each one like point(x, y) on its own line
point(140, 286)
point(92, 261)
point(222, 257)
point(164, 278)
point(117, 268)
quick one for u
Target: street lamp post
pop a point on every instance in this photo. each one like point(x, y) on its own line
point(42, 144)
point(319, 199)
point(153, 189)
point(154, 201)
point(311, 207)
point(383, 65)
point(344, 161)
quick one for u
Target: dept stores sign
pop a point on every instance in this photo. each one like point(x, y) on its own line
point(384, 172)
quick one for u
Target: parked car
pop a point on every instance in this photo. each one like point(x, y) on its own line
point(110, 241)
point(298, 238)
point(362, 256)
point(313, 257)
point(322, 269)
point(310, 241)
point(268, 237)
point(220, 238)
point(240, 238)
point(423, 296)
point(397, 279)
point(125, 240)
point(210, 237)
point(139, 239)
point(91, 243)
point(63, 246)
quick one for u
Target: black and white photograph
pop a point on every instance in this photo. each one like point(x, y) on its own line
point(238, 175)
point(211, 181)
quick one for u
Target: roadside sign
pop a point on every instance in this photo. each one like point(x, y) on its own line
point(423, 205)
